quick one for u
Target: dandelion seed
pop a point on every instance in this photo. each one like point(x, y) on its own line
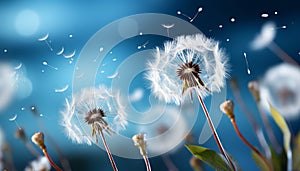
point(275, 12)
point(265, 37)
point(264, 15)
point(232, 19)
point(191, 63)
point(5, 50)
point(220, 26)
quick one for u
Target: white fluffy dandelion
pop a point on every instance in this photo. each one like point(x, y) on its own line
point(280, 86)
point(187, 62)
point(192, 62)
point(8, 79)
point(40, 164)
point(101, 109)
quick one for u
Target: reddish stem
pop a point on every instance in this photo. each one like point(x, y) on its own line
point(248, 144)
point(214, 132)
point(113, 164)
point(147, 163)
point(50, 160)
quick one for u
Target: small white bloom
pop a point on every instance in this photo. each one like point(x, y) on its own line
point(192, 61)
point(40, 164)
point(265, 37)
point(140, 142)
point(280, 86)
point(96, 107)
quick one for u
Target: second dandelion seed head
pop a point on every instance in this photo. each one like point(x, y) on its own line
point(191, 61)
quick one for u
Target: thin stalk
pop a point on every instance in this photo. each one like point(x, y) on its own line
point(51, 162)
point(268, 127)
point(248, 144)
point(31, 149)
point(111, 159)
point(214, 132)
point(170, 165)
point(256, 127)
point(282, 54)
point(147, 162)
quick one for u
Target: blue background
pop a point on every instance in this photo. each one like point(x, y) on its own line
point(83, 19)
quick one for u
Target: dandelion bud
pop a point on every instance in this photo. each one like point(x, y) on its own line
point(140, 142)
point(227, 108)
point(253, 87)
point(195, 163)
point(38, 139)
point(20, 133)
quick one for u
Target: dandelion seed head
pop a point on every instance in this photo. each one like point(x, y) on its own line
point(40, 164)
point(191, 61)
point(280, 87)
point(98, 107)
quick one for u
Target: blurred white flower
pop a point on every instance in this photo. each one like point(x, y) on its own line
point(280, 86)
point(40, 164)
point(8, 79)
point(187, 62)
point(265, 37)
point(96, 107)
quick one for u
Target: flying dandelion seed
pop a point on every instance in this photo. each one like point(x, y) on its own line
point(220, 26)
point(14, 119)
point(114, 75)
point(114, 59)
point(191, 19)
point(168, 26)
point(61, 51)
point(19, 66)
point(265, 37)
point(275, 12)
point(232, 19)
point(247, 65)
point(5, 51)
point(136, 95)
point(70, 36)
point(65, 88)
point(264, 15)
point(70, 55)
point(283, 94)
point(143, 45)
point(46, 41)
point(50, 66)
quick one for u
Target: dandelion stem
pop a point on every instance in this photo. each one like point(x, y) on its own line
point(256, 127)
point(50, 160)
point(282, 54)
point(268, 127)
point(248, 143)
point(170, 165)
point(147, 162)
point(32, 150)
point(113, 164)
point(211, 125)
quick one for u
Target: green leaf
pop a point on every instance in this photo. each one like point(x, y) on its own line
point(286, 134)
point(259, 161)
point(296, 154)
point(210, 157)
point(276, 161)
